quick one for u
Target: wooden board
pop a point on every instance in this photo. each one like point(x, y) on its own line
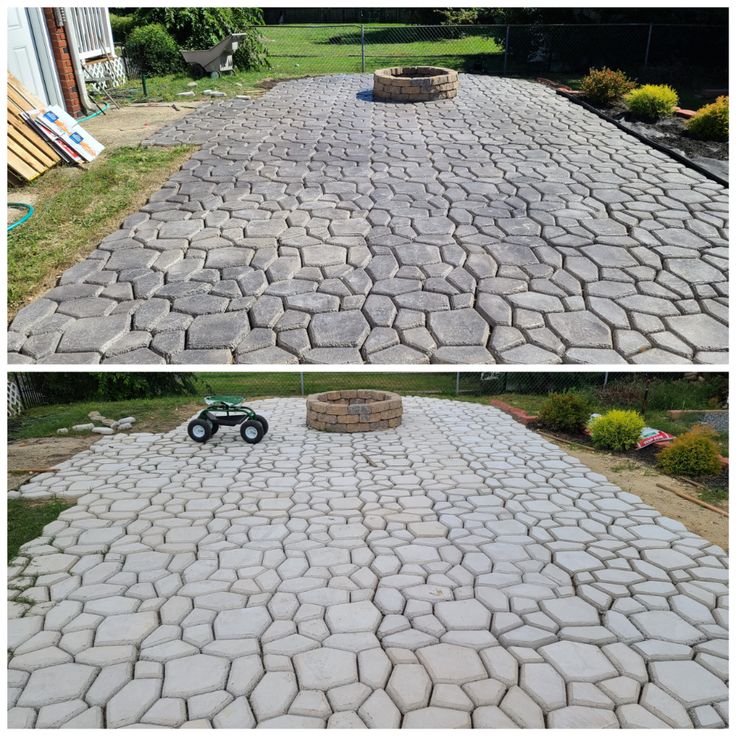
point(29, 155)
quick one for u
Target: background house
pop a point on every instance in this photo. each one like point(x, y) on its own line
point(57, 52)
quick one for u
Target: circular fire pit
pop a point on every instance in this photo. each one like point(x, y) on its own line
point(360, 410)
point(415, 83)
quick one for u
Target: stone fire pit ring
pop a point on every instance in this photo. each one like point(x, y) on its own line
point(415, 83)
point(356, 410)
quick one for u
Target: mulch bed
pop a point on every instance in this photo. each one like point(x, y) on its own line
point(648, 456)
point(670, 132)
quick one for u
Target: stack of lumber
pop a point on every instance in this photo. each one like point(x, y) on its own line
point(29, 155)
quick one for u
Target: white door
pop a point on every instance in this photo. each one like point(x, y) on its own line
point(29, 54)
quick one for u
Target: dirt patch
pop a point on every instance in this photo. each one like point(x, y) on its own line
point(131, 125)
point(167, 420)
point(15, 213)
point(270, 83)
point(39, 453)
point(641, 479)
point(649, 456)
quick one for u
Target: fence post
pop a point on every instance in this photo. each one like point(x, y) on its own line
point(605, 378)
point(457, 384)
point(362, 48)
point(649, 45)
point(506, 50)
point(301, 382)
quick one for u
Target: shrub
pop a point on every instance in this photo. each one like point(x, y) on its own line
point(710, 122)
point(618, 429)
point(459, 16)
point(693, 453)
point(625, 391)
point(201, 28)
point(70, 387)
point(564, 412)
point(606, 86)
point(652, 101)
point(122, 26)
point(153, 50)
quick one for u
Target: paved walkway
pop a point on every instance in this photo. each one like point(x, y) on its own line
point(316, 225)
point(458, 570)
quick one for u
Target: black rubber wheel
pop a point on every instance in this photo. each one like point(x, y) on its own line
point(263, 421)
point(252, 431)
point(199, 430)
point(214, 424)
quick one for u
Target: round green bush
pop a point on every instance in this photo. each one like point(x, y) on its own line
point(201, 28)
point(566, 412)
point(710, 122)
point(652, 101)
point(693, 453)
point(605, 86)
point(618, 430)
point(153, 51)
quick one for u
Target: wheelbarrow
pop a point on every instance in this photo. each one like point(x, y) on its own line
point(217, 59)
point(227, 411)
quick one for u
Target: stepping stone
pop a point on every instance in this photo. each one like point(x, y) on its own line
point(577, 661)
point(688, 682)
point(578, 716)
point(353, 617)
point(448, 663)
point(127, 628)
point(325, 668)
point(56, 684)
point(667, 625)
point(211, 674)
point(273, 695)
point(242, 623)
point(434, 717)
point(409, 687)
point(128, 705)
point(379, 711)
point(467, 614)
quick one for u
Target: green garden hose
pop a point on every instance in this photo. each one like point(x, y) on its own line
point(29, 209)
point(94, 114)
point(27, 216)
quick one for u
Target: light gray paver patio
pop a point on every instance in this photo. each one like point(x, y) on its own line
point(459, 570)
point(315, 225)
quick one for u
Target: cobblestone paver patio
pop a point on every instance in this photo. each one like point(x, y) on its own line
point(459, 570)
point(316, 225)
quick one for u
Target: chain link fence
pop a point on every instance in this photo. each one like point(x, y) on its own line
point(665, 390)
point(494, 49)
point(673, 51)
point(451, 383)
point(661, 391)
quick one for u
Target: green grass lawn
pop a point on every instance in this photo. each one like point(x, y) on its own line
point(75, 208)
point(307, 51)
point(42, 421)
point(26, 519)
point(296, 51)
point(287, 384)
